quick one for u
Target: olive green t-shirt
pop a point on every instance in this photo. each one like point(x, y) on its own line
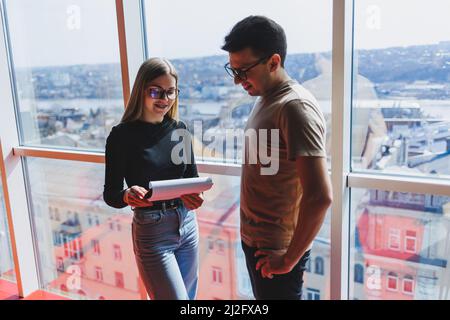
point(270, 202)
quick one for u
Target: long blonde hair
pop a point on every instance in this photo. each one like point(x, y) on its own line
point(149, 70)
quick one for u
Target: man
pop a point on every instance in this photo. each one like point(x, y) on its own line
point(280, 213)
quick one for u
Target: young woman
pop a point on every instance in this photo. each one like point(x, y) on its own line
point(139, 150)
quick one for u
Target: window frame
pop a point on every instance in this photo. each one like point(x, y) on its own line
point(358, 271)
point(117, 252)
point(217, 276)
point(119, 280)
point(98, 273)
point(406, 279)
point(319, 266)
point(392, 276)
point(311, 292)
point(394, 233)
point(96, 247)
point(410, 238)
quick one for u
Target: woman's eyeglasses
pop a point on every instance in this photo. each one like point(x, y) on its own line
point(159, 93)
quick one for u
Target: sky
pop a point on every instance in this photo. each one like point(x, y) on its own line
point(66, 32)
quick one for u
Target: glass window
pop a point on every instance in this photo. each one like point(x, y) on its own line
point(421, 227)
point(209, 99)
point(217, 275)
point(119, 280)
point(394, 239)
point(95, 246)
point(7, 272)
point(210, 241)
point(218, 218)
point(410, 241)
point(77, 187)
point(308, 265)
point(318, 266)
point(401, 102)
point(220, 246)
point(392, 281)
point(60, 264)
point(67, 71)
point(98, 274)
point(212, 106)
point(117, 252)
point(359, 273)
point(408, 285)
point(312, 294)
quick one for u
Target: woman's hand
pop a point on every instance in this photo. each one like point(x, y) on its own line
point(134, 196)
point(192, 201)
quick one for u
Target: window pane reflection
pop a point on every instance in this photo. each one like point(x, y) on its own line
point(223, 272)
point(208, 95)
point(85, 248)
point(7, 273)
point(66, 71)
point(401, 106)
point(399, 247)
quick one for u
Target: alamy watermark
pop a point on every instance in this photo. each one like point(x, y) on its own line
point(73, 282)
point(73, 21)
point(373, 14)
point(259, 147)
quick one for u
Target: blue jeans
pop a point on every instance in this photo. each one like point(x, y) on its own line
point(282, 286)
point(165, 244)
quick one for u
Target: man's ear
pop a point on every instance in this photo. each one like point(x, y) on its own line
point(275, 62)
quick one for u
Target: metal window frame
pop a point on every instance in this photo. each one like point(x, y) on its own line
point(342, 73)
point(133, 46)
point(412, 184)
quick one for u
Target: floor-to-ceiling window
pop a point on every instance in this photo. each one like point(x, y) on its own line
point(68, 92)
point(7, 272)
point(216, 110)
point(401, 129)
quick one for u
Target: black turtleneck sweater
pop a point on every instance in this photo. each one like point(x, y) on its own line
point(133, 154)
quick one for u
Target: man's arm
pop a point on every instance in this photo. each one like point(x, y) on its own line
point(316, 199)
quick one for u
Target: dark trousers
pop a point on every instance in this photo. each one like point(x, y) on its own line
point(282, 286)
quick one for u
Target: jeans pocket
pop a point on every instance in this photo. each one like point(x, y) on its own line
point(148, 218)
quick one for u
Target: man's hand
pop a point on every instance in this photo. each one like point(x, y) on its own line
point(272, 262)
point(192, 201)
point(134, 196)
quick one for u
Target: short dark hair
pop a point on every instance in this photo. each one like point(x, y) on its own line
point(261, 34)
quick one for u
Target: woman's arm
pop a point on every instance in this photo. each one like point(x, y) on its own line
point(113, 191)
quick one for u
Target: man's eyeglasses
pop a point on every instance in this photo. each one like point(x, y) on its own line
point(242, 73)
point(159, 93)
